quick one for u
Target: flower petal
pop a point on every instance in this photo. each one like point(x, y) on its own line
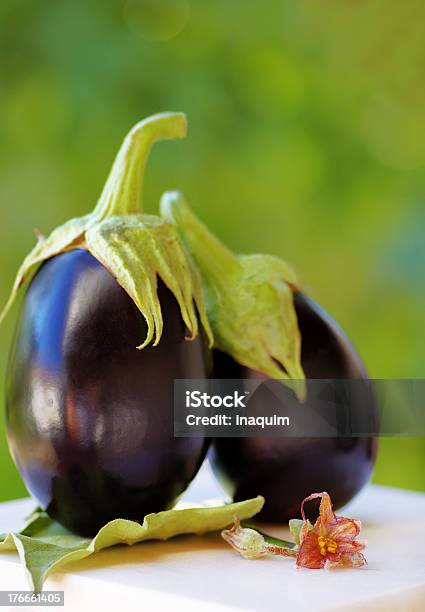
point(350, 547)
point(353, 560)
point(332, 541)
point(344, 529)
point(305, 529)
point(326, 514)
point(309, 553)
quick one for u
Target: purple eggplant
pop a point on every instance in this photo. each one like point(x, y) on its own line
point(112, 316)
point(265, 328)
point(89, 417)
point(286, 470)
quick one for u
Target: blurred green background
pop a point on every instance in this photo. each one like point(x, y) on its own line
point(307, 140)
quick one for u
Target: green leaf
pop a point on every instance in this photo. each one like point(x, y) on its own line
point(135, 248)
point(44, 545)
point(249, 299)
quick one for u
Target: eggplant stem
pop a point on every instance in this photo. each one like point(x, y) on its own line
point(122, 194)
point(212, 256)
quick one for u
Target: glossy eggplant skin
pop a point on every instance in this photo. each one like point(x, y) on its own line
point(286, 470)
point(90, 417)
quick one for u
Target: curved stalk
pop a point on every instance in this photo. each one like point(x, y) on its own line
point(122, 194)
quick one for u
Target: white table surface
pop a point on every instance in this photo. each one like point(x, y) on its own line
point(203, 573)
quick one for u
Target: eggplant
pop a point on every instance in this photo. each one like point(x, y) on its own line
point(90, 421)
point(90, 418)
point(265, 327)
point(286, 470)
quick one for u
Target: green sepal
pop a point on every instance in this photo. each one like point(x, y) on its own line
point(135, 248)
point(63, 238)
point(249, 299)
point(295, 526)
point(44, 545)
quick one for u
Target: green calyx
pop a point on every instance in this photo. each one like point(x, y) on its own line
point(246, 301)
point(248, 298)
point(135, 248)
